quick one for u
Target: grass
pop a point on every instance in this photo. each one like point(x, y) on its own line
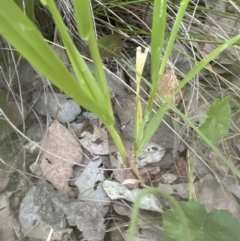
point(110, 18)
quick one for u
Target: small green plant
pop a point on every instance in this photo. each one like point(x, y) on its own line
point(189, 221)
point(93, 93)
point(218, 121)
point(217, 225)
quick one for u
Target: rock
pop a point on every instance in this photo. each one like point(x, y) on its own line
point(57, 106)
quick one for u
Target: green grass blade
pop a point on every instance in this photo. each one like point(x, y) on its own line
point(86, 30)
point(28, 7)
point(84, 18)
point(138, 117)
point(20, 32)
point(177, 23)
point(80, 68)
point(152, 126)
point(197, 68)
point(158, 35)
point(159, 18)
point(175, 29)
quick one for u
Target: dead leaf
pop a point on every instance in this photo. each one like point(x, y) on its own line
point(45, 198)
point(168, 178)
point(95, 140)
point(9, 226)
point(214, 196)
point(84, 215)
point(181, 171)
point(148, 173)
point(87, 219)
point(167, 87)
point(61, 151)
point(37, 209)
point(152, 153)
point(182, 189)
point(116, 191)
point(89, 184)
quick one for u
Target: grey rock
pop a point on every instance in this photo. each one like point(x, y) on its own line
point(57, 106)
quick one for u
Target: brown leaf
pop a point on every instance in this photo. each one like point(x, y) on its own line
point(214, 196)
point(95, 140)
point(8, 221)
point(167, 87)
point(61, 151)
point(181, 171)
point(149, 174)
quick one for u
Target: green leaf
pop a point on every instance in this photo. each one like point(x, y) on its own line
point(151, 127)
point(218, 225)
point(44, 2)
point(20, 32)
point(3, 106)
point(83, 13)
point(218, 121)
point(158, 35)
point(83, 74)
point(27, 6)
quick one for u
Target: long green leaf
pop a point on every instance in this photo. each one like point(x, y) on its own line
point(28, 7)
point(83, 11)
point(86, 29)
point(197, 68)
point(158, 35)
point(159, 19)
point(20, 32)
point(83, 74)
point(152, 126)
point(177, 23)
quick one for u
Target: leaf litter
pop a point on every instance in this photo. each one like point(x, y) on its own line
point(53, 204)
point(60, 152)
